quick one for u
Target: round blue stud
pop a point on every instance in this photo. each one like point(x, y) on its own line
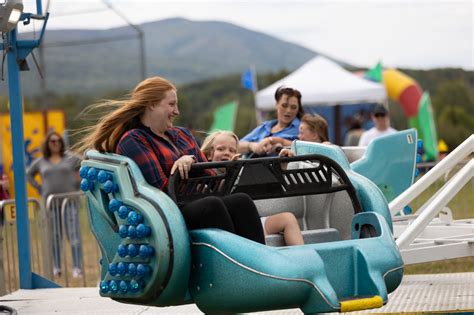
point(113, 269)
point(122, 268)
point(132, 269)
point(92, 173)
point(143, 270)
point(103, 176)
point(83, 171)
point(134, 218)
point(145, 251)
point(143, 230)
point(123, 212)
point(109, 186)
point(419, 144)
point(132, 231)
point(151, 250)
point(418, 158)
point(104, 286)
point(407, 210)
point(134, 285)
point(122, 250)
point(113, 286)
point(123, 231)
point(85, 185)
point(123, 286)
point(132, 250)
point(114, 205)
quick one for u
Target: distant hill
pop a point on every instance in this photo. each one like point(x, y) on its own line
point(182, 50)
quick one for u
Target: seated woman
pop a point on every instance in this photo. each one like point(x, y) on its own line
point(277, 133)
point(141, 128)
point(222, 146)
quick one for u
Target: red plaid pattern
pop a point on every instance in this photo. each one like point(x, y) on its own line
point(154, 155)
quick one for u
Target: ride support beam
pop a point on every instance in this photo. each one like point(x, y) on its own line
point(16, 122)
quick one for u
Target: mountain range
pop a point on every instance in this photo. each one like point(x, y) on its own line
point(184, 51)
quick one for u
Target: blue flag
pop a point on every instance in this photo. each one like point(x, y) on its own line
point(248, 81)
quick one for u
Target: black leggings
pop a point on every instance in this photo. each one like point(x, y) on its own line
point(233, 213)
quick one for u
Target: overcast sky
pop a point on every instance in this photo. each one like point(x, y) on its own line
point(409, 34)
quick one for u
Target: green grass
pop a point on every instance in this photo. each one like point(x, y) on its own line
point(445, 266)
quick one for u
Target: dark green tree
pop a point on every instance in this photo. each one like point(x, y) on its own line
point(453, 93)
point(454, 125)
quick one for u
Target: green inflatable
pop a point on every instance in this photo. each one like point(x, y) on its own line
point(424, 123)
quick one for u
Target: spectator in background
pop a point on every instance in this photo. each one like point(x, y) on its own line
point(381, 120)
point(354, 133)
point(4, 185)
point(59, 172)
point(276, 133)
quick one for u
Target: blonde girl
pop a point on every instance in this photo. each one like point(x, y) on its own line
point(223, 146)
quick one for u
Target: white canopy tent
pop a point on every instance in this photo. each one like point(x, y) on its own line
point(323, 82)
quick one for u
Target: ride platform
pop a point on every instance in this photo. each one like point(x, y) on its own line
point(435, 293)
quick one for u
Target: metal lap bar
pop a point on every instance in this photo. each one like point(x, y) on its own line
point(239, 176)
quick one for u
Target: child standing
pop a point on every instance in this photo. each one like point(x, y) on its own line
point(222, 146)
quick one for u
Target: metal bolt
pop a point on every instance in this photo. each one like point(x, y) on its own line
point(210, 285)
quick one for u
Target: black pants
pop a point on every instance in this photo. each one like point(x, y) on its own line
point(234, 213)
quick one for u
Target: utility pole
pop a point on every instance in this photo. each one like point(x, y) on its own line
point(141, 38)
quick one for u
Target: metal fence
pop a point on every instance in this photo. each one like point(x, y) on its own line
point(9, 271)
point(74, 249)
point(62, 247)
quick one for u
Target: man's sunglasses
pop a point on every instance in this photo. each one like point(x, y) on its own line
point(54, 141)
point(379, 115)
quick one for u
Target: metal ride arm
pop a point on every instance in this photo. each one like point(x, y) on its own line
point(456, 240)
point(449, 191)
point(455, 157)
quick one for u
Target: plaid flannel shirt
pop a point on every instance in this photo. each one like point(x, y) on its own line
point(154, 155)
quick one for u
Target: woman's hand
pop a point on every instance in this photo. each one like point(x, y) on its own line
point(287, 153)
point(265, 146)
point(183, 165)
point(236, 157)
